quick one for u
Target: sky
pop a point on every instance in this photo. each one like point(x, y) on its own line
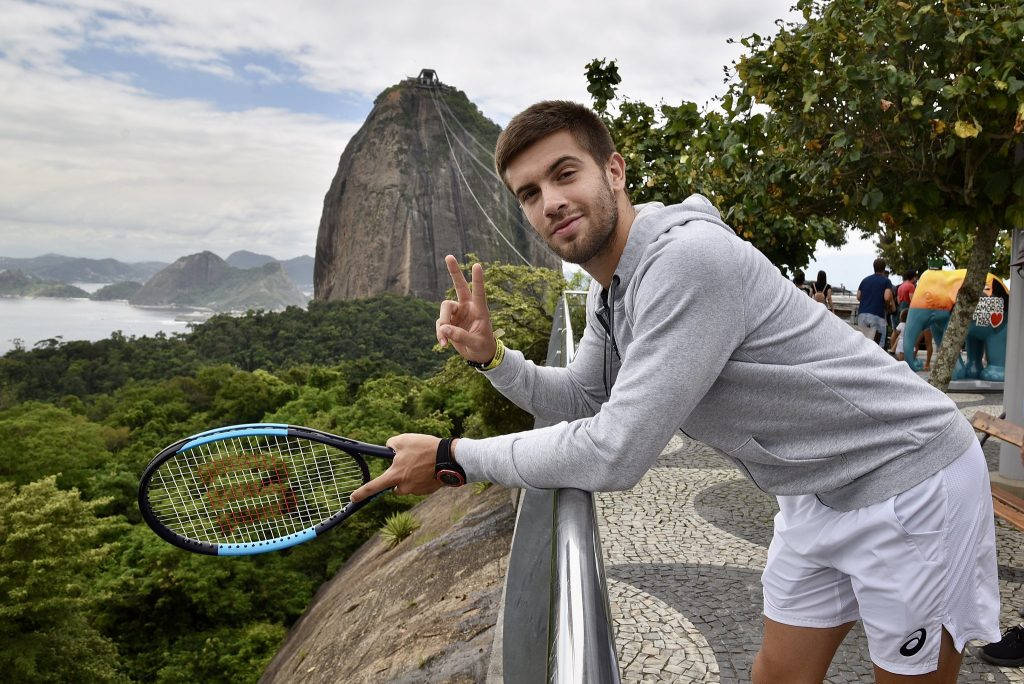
point(146, 130)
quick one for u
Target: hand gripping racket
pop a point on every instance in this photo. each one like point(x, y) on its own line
point(248, 489)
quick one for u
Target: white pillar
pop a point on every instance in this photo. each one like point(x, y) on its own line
point(1013, 389)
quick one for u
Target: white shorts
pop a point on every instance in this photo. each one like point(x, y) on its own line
point(907, 567)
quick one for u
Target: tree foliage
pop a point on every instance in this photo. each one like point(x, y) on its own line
point(50, 544)
point(912, 114)
point(743, 165)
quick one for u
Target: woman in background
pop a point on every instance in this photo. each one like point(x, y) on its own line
point(821, 291)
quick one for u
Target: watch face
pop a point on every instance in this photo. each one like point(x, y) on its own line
point(450, 478)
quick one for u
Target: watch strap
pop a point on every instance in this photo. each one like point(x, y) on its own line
point(446, 470)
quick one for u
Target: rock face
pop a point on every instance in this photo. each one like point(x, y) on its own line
point(399, 201)
point(206, 280)
point(424, 611)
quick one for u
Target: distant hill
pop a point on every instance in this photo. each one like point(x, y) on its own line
point(299, 269)
point(67, 269)
point(122, 290)
point(206, 280)
point(245, 259)
point(18, 284)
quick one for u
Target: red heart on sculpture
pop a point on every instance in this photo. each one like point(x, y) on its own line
point(996, 317)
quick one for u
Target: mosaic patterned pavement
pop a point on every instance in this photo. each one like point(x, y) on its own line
point(684, 551)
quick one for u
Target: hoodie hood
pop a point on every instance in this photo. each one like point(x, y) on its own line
point(654, 219)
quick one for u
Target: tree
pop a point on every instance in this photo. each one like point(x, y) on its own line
point(50, 545)
point(382, 408)
point(743, 164)
point(942, 245)
point(912, 114)
point(40, 439)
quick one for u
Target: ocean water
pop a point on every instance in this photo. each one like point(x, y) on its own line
point(33, 319)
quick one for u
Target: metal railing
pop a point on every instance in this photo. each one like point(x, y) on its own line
point(556, 600)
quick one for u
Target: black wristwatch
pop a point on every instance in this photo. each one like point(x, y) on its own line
point(446, 470)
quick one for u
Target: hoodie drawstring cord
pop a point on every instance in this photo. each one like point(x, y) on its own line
point(609, 333)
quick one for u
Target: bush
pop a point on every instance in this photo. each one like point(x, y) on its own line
point(397, 527)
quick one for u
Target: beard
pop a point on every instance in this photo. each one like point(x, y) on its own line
point(604, 216)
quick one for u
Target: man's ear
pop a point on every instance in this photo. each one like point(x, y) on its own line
point(615, 168)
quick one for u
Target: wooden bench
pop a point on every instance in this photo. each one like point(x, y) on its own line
point(1007, 506)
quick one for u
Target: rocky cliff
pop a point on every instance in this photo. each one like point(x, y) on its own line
point(424, 611)
point(417, 182)
point(206, 280)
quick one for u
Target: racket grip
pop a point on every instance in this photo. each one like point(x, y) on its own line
point(349, 509)
point(354, 506)
point(379, 451)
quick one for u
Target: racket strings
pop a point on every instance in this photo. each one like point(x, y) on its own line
point(252, 489)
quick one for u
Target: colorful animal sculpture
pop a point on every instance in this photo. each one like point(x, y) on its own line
point(931, 306)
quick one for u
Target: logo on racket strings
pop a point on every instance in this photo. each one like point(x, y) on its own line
point(272, 483)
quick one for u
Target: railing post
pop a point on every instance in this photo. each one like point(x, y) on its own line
point(582, 641)
point(556, 600)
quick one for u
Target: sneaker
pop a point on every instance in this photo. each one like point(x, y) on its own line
point(1008, 651)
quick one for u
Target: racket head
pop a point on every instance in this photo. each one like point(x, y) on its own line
point(248, 489)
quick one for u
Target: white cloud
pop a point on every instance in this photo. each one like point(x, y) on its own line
point(93, 166)
point(265, 75)
point(96, 166)
point(508, 53)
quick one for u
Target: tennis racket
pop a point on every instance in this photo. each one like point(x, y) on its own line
point(247, 489)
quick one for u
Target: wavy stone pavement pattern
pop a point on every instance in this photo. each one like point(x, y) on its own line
point(684, 551)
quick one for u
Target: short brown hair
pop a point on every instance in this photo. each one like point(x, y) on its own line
point(551, 116)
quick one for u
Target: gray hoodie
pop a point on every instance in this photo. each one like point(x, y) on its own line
point(710, 338)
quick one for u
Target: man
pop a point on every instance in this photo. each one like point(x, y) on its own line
point(905, 292)
point(876, 301)
point(885, 512)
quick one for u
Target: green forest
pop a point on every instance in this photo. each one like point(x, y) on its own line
point(89, 593)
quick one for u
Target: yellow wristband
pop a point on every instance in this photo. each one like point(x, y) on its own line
point(499, 355)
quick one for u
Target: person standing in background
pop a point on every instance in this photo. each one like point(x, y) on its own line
point(905, 292)
point(800, 280)
point(896, 342)
point(875, 294)
point(892, 316)
point(821, 291)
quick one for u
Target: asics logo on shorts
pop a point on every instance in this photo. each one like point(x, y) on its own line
point(914, 643)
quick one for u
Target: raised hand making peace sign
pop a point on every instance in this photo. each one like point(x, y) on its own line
point(466, 323)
